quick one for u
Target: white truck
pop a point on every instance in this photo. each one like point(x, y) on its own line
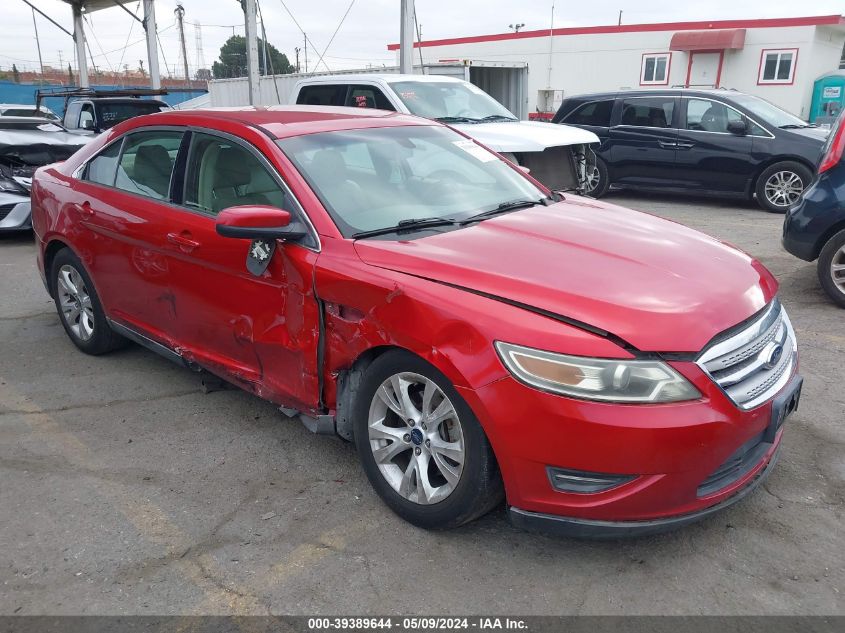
point(559, 156)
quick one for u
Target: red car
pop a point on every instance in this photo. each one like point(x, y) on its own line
point(385, 278)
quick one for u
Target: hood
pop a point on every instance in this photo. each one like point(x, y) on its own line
point(525, 136)
point(23, 151)
point(656, 284)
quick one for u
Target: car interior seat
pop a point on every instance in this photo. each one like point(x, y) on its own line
point(231, 176)
point(152, 169)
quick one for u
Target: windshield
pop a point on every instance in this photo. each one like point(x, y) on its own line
point(113, 113)
point(768, 112)
point(376, 178)
point(449, 100)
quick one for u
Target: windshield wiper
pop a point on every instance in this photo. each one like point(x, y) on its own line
point(793, 126)
point(455, 119)
point(496, 117)
point(411, 224)
point(505, 207)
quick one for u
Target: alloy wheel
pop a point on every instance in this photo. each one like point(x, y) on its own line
point(837, 269)
point(593, 177)
point(75, 302)
point(416, 438)
point(783, 188)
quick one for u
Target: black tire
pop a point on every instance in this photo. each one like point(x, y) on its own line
point(479, 488)
point(831, 254)
point(785, 167)
point(102, 338)
point(603, 183)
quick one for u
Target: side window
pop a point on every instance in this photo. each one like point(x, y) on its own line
point(322, 94)
point(710, 116)
point(86, 117)
point(72, 114)
point(146, 164)
point(102, 168)
point(648, 111)
point(224, 174)
point(593, 113)
point(368, 97)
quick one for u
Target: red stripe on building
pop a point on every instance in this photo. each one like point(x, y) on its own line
point(818, 20)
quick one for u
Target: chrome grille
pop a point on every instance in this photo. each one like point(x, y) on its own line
point(747, 364)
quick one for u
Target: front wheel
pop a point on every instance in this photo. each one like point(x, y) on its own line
point(831, 268)
point(780, 186)
point(79, 306)
point(597, 179)
point(421, 446)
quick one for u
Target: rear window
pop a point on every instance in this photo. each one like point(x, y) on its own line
point(325, 95)
point(593, 113)
point(113, 113)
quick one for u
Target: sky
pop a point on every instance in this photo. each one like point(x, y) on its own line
point(116, 40)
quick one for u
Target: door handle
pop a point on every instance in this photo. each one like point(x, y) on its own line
point(85, 209)
point(667, 144)
point(183, 241)
point(684, 145)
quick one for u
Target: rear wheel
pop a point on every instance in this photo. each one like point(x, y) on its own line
point(831, 268)
point(598, 181)
point(780, 186)
point(79, 306)
point(421, 447)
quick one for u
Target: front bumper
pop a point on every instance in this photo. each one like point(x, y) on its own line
point(672, 451)
point(15, 212)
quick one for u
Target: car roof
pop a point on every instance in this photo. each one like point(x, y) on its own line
point(286, 121)
point(119, 100)
point(28, 119)
point(708, 92)
point(387, 77)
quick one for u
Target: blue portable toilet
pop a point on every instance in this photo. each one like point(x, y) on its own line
point(828, 97)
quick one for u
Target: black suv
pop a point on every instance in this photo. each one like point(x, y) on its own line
point(719, 142)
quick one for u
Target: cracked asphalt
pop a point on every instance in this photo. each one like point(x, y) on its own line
point(126, 490)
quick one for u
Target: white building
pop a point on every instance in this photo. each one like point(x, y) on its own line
point(777, 59)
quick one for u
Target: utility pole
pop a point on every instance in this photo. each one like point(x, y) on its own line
point(152, 43)
point(38, 45)
point(180, 21)
point(198, 41)
point(305, 37)
point(620, 18)
point(251, 28)
point(296, 50)
point(79, 39)
point(406, 37)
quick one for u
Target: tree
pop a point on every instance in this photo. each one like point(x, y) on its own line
point(203, 74)
point(69, 75)
point(16, 75)
point(233, 59)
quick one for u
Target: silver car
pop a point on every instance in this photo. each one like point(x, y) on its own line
point(27, 143)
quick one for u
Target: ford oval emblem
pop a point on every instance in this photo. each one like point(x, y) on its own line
point(773, 357)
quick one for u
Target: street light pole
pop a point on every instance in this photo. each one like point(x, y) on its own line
point(406, 37)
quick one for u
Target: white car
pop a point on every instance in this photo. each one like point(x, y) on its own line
point(556, 155)
point(27, 143)
point(27, 109)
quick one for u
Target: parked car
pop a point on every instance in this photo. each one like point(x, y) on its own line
point(559, 157)
point(718, 142)
point(815, 227)
point(400, 285)
point(27, 143)
point(23, 109)
point(92, 115)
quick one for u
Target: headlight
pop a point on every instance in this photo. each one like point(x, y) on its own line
point(597, 378)
point(11, 186)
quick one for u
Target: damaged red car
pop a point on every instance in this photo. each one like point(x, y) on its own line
point(387, 279)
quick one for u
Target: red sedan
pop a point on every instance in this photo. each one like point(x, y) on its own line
point(389, 280)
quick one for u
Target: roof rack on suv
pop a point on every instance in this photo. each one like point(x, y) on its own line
point(68, 93)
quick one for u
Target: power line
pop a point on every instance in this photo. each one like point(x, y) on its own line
point(301, 30)
point(342, 20)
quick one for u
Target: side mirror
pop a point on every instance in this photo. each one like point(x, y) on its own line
point(740, 128)
point(256, 222)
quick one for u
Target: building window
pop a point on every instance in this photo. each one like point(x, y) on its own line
point(655, 69)
point(777, 66)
